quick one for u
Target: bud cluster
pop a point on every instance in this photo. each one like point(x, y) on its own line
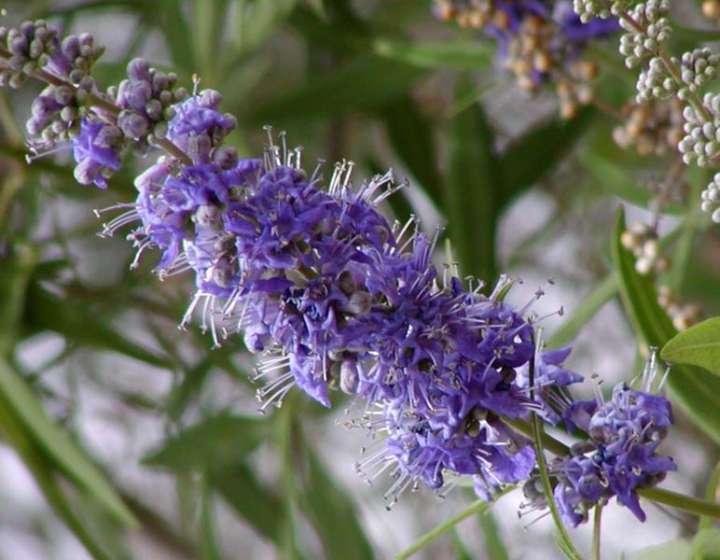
point(683, 315)
point(652, 128)
point(538, 42)
point(695, 68)
point(604, 9)
point(30, 47)
point(711, 199)
point(701, 142)
point(642, 240)
point(146, 100)
point(647, 27)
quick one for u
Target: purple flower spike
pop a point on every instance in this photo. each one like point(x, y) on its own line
point(621, 455)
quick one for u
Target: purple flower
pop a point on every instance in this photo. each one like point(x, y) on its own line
point(95, 153)
point(415, 453)
point(332, 295)
point(534, 37)
point(197, 126)
point(145, 98)
point(620, 457)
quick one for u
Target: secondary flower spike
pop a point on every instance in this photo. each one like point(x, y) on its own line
point(539, 41)
point(621, 454)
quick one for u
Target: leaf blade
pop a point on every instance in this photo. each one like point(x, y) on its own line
point(473, 183)
point(212, 444)
point(68, 457)
point(699, 346)
point(697, 391)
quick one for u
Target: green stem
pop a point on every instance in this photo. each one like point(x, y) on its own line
point(567, 545)
point(549, 443)
point(597, 525)
point(565, 542)
point(476, 507)
point(711, 495)
point(696, 506)
point(101, 103)
point(208, 538)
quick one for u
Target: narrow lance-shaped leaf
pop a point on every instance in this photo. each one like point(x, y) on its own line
point(15, 271)
point(474, 181)
point(411, 136)
point(695, 390)
point(14, 432)
point(536, 153)
point(250, 499)
point(458, 54)
point(366, 83)
point(46, 311)
point(59, 447)
point(211, 445)
point(333, 514)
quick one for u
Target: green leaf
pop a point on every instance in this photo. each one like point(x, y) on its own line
point(366, 83)
point(699, 346)
point(411, 136)
point(333, 514)
point(58, 446)
point(706, 545)
point(15, 271)
point(474, 183)
point(583, 313)
point(712, 494)
point(477, 507)
point(671, 550)
point(208, 538)
point(494, 546)
point(256, 20)
point(260, 507)
point(457, 54)
point(615, 179)
point(171, 21)
point(74, 320)
point(211, 445)
point(532, 156)
point(695, 390)
point(14, 433)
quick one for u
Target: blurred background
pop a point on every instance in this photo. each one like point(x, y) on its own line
point(101, 386)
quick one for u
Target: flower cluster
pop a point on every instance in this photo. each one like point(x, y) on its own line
point(647, 29)
point(642, 240)
point(683, 314)
point(333, 295)
point(145, 100)
point(538, 41)
point(620, 456)
point(652, 128)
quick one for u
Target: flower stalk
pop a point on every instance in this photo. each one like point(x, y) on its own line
point(93, 100)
